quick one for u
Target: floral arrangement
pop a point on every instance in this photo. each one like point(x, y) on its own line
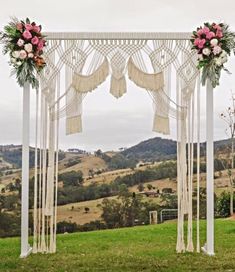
point(214, 43)
point(24, 43)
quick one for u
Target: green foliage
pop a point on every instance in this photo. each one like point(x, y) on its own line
point(72, 162)
point(223, 205)
point(13, 155)
point(9, 225)
point(65, 226)
point(119, 161)
point(140, 187)
point(70, 227)
point(123, 212)
point(71, 178)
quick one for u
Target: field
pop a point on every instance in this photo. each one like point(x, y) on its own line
point(147, 248)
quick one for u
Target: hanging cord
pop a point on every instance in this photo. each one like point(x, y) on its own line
point(56, 166)
point(198, 164)
point(35, 218)
point(190, 247)
point(40, 177)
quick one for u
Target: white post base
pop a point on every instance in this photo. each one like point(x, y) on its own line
point(204, 250)
point(27, 253)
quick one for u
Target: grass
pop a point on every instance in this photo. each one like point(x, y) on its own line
point(147, 248)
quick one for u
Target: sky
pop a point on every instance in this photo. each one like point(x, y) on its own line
point(109, 123)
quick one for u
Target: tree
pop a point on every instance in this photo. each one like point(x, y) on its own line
point(98, 153)
point(71, 178)
point(229, 118)
point(86, 209)
point(223, 205)
point(11, 187)
point(18, 185)
point(140, 187)
point(91, 173)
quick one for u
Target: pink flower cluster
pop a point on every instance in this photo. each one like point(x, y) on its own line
point(31, 43)
point(207, 40)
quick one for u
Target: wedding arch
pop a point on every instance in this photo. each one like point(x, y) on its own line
point(161, 63)
point(166, 65)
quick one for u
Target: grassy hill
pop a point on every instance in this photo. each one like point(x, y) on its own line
point(147, 248)
point(158, 149)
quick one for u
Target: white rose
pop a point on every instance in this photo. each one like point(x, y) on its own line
point(214, 42)
point(30, 55)
point(16, 54)
point(216, 50)
point(28, 47)
point(20, 42)
point(23, 54)
point(206, 51)
point(18, 63)
point(218, 62)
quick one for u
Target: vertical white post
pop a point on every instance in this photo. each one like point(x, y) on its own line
point(209, 248)
point(25, 248)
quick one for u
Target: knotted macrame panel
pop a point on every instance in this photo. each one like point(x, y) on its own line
point(89, 62)
point(165, 68)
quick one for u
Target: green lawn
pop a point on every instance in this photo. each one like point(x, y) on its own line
point(147, 248)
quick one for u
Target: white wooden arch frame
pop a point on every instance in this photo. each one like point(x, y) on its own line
point(25, 247)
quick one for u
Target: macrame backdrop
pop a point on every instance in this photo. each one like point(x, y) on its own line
point(83, 62)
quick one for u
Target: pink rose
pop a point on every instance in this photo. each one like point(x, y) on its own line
point(40, 45)
point(210, 35)
point(216, 50)
point(200, 32)
point(20, 42)
point(35, 40)
point(219, 33)
point(30, 55)
point(27, 35)
point(28, 27)
point(201, 43)
point(23, 54)
point(196, 41)
point(205, 30)
point(19, 26)
point(217, 27)
point(36, 28)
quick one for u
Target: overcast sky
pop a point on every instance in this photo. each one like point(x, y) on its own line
point(109, 123)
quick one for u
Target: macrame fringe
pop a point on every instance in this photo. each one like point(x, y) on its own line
point(84, 84)
point(73, 125)
point(118, 86)
point(151, 82)
point(161, 124)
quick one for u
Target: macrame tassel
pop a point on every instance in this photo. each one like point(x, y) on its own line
point(151, 82)
point(118, 86)
point(50, 172)
point(161, 124)
point(84, 84)
point(73, 125)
